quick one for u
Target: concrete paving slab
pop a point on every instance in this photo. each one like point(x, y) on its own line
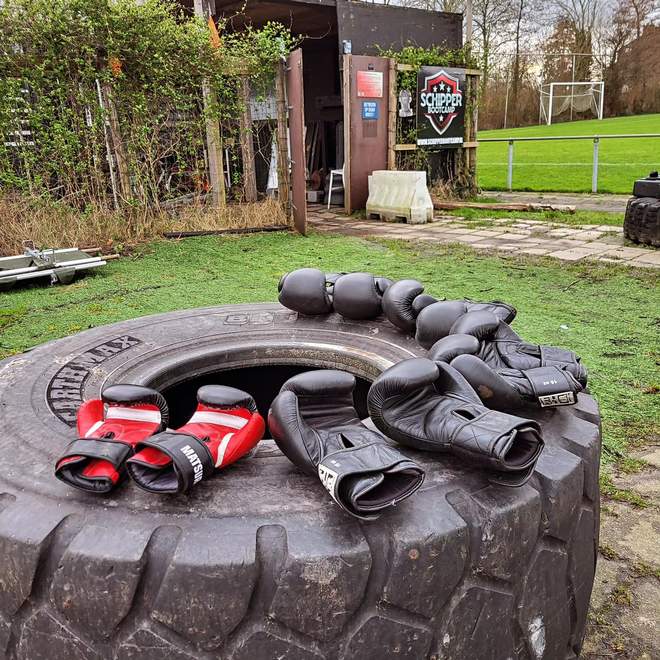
point(609, 228)
point(513, 237)
point(642, 618)
point(649, 258)
point(611, 239)
point(467, 238)
point(625, 252)
point(632, 533)
point(588, 235)
point(559, 233)
point(572, 254)
point(536, 250)
point(608, 575)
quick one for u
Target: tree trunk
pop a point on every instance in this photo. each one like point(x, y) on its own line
point(515, 78)
point(247, 146)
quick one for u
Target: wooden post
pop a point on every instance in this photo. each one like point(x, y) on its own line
point(472, 80)
point(468, 23)
point(282, 140)
point(391, 117)
point(247, 145)
point(295, 99)
point(213, 139)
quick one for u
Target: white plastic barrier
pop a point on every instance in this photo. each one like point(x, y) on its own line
point(395, 195)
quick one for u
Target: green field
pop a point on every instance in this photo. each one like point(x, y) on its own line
point(565, 165)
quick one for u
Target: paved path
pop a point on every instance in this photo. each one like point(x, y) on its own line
point(625, 603)
point(582, 202)
point(533, 237)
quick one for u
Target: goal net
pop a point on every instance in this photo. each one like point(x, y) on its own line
point(569, 100)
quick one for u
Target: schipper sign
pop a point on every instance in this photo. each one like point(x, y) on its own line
point(440, 107)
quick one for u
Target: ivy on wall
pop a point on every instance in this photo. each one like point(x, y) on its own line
point(445, 168)
point(83, 78)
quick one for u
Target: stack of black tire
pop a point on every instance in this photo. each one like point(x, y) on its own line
point(642, 221)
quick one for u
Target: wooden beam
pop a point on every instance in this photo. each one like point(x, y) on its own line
point(447, 205)
point(214, 151)
point(471, 143)
point(282, 140)
point(391, 117)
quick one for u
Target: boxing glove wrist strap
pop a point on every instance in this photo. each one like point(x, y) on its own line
point(486, 435)
point(190, 455)
point(106, 449)
point(550, 386)
point(552, 355)
point(364, 460)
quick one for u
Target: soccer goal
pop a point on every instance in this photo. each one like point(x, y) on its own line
point(560, 98)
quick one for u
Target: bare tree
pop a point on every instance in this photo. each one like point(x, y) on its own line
point(582, 16)
point(641, 10)
point(492, 23)
point(519, 9)
point(454, 6)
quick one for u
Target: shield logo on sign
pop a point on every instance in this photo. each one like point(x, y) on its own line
point(446, 91)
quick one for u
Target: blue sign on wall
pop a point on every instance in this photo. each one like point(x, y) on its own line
point(370, 109)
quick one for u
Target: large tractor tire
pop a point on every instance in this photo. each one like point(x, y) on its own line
point(258, 562)
point(641, 224)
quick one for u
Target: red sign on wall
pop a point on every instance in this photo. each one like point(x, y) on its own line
point(370, 84)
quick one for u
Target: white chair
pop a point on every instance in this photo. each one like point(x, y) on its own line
point(334, 173)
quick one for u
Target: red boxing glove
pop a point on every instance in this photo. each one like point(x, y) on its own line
point(225, 427)
point(95, 460)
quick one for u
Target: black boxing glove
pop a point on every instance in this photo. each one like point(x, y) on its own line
point(437, 320)
point(358, 296)
point(353, 295)
point(501, 348)
point(314, 422)
point(503, 388)
point(306, 291)
point(432, 407)
point(408, 308)
point(402, 303)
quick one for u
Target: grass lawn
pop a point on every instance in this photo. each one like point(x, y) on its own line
point(578, 218)
point(565, 165)
point(606, 313)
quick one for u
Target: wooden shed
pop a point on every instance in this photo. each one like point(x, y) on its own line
point(338, 57)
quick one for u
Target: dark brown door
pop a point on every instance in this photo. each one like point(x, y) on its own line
point(366, 103)
point(295, 100)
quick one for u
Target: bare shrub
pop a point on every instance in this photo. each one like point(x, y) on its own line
point(50, 224)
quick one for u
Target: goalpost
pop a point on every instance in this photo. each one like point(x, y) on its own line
point(558, 97)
